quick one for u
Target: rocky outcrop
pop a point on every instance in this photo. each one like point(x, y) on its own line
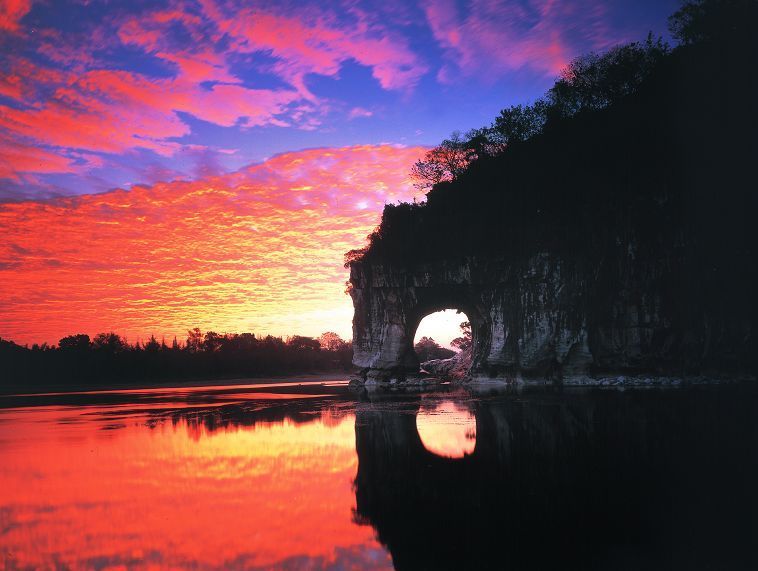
point(544, 318)
point(454, 368)
point(617, 242)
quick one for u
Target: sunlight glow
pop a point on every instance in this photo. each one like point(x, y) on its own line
point(231, 253)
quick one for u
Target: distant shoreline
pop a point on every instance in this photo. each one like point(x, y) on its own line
point(314, 378)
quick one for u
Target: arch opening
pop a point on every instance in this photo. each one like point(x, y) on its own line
point(443, 342)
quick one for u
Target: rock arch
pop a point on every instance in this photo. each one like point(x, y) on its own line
point(389, 306)
point(525, 321)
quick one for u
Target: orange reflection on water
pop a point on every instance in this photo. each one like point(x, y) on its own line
point(447, 429)
point(81, 492)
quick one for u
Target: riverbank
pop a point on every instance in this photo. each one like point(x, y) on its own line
point(310, 378)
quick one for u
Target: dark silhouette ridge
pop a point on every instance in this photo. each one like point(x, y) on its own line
point(618, 237)
point(79, 363)
point(567, 480)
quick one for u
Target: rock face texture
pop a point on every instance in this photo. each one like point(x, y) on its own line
point(547, 318)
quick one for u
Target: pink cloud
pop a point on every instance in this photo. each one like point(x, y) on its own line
point(359, 112)
point(17, 158)
point(115, 111)
point(495, 37)
point(317, 43)
point(72, 100)
point(11, 12)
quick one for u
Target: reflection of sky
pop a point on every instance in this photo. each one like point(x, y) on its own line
point(80, 491)
point(447, 429)
point(96, 96)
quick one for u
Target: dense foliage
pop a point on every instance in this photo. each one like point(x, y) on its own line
point(79, 361)
point(655, 140)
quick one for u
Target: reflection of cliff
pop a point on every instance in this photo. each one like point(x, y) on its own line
point(206, 410)
point(201, 421)
point(571, 481)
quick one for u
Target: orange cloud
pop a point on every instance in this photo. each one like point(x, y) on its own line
point(256, 250)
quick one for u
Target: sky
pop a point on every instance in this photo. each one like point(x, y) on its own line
point(204, 163)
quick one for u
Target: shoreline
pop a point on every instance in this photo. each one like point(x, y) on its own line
point(302, 378)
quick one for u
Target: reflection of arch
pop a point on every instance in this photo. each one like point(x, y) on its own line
point(447, 428)
point(569, 481)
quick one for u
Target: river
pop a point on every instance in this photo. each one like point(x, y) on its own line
point(318, 476)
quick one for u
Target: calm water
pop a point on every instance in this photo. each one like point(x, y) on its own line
point(318, 477)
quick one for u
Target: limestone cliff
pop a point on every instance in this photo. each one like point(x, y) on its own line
point(620, 241)
point(545, 318)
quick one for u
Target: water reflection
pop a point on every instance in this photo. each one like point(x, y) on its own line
point(256, 483)
point(590, 480)
point(446, 428)
point(316, 477)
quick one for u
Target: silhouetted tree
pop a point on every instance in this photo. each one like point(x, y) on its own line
point(152, 345)
point(428, 349)
point(109, 342)
point(464, 341)
point(444, 162)
point(302, 342)
point(709, 20)
point(595, 81)
point(211, 356)
point(518, 123)
point(212, 342)
point(590, 82)
point(79, 342)
point(194, 340)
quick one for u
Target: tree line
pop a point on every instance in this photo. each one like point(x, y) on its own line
point(79, 360)
point(590, 82)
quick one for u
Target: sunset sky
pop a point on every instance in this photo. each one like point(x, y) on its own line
point(167, 165)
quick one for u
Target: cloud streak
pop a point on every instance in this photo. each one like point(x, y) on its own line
point(496, 37)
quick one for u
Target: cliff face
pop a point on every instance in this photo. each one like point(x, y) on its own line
point(616, 241)
point(546, 318)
